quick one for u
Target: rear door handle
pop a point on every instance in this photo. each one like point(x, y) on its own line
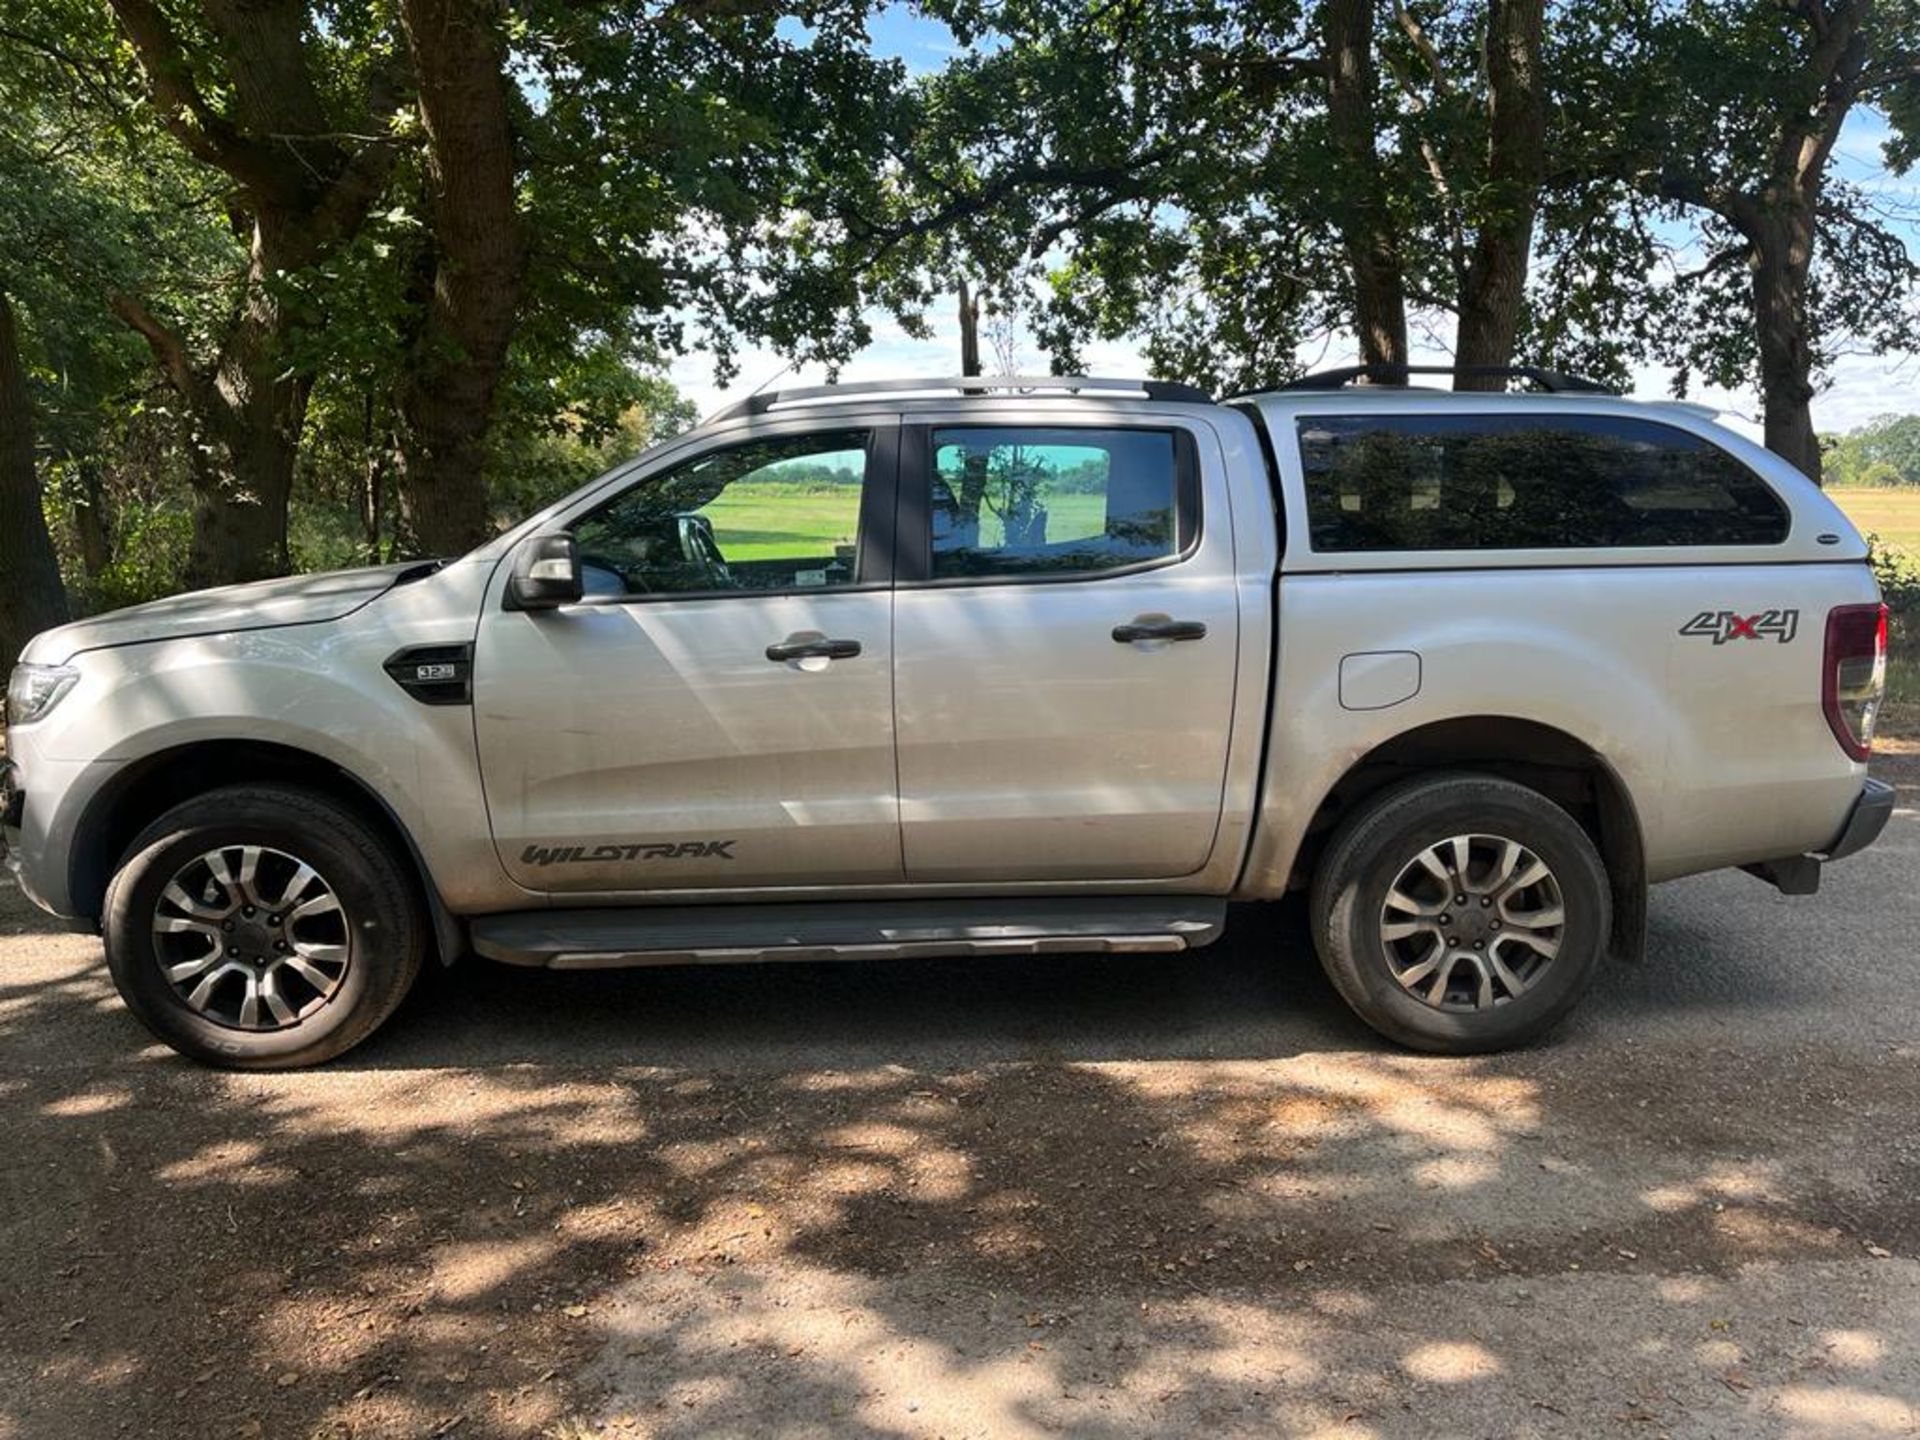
point(1159, 627)
point(812, 647)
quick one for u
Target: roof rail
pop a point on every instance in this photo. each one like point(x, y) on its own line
point(963, 384)
point(1379, 373)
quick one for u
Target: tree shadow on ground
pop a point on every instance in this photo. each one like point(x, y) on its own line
point(1091, 1196)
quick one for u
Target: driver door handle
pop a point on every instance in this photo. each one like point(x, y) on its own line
point(812, 647)
point(1159, 627)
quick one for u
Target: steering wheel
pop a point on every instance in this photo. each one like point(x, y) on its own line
point(702, 553)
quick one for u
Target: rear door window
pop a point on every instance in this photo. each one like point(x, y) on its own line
point(1525, 482)
point(1046, 502)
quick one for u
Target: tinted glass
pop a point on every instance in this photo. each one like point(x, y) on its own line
point(1519, 482)
point(774, 515)
point(1013, 501)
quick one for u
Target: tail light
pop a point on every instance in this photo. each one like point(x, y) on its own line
point(1855, 675)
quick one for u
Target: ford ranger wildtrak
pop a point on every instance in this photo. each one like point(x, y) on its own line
point(986, 667)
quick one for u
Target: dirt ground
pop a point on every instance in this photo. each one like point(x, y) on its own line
point(1089, 1196)
point(1897, 751)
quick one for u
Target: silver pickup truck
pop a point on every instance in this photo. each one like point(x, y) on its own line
point(987, 667)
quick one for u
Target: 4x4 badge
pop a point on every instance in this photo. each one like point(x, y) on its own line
point(1724, 625)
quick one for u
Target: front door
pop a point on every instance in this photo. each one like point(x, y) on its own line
point(717, 712)
point(1065, 638)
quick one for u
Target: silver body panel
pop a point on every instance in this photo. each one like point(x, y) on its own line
point(317, 688)
point(614, 726)
point(991, 739)
point(1034, 747)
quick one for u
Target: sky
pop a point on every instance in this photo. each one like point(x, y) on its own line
point(1858, 387)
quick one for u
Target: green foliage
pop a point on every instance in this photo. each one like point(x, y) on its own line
point(1883, 452)
point(647, 202)
point(150, 547)
point(692, 174)
point(1898, 572)
point(695, 176)
point(538, 457)
point(1696, 113)
point(82, 220)
point(1159, 171)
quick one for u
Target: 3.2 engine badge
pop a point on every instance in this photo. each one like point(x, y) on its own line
point(1724, 625)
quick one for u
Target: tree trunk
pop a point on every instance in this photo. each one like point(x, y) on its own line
point(445, 403)
point(244, 418)
point(92, 529)
point(32, 598)
point(374, 476)
point(1495, 285)
point(1366, 223)
point(969, 331)
point(1781, 258)
point(252, 413)
point(305, 193)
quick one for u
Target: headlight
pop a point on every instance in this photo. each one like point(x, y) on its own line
point(35, 689)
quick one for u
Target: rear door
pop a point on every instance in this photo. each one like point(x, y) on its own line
point(1065, 639)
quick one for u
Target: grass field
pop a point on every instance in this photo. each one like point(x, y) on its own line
point(754, 522)
point(1893, 515)
point(771, 520)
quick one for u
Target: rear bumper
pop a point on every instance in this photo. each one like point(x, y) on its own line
point(1800, 874)
point(1865, 821)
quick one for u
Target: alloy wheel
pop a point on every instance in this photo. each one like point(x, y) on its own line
point(1472, 922)
point(251, 937)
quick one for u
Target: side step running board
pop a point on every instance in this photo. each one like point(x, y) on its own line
point(842, 930)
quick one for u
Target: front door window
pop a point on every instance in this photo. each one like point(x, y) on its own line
point(777, 515)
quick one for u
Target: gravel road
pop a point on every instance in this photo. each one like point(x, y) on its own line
point(1094, 1196)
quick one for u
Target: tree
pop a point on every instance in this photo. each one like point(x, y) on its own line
point(32, 599)
point(297, 119)
point(474, 261)
point(1228, 181)
point(1884, 451)
point(1485, 143)
point(1772, 199)
point(1362, 213)
point(1726, 115)
point(63, 360)
point(1108, 156)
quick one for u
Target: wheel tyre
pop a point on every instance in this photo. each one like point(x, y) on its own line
point(387, 939)
point(1365, 858)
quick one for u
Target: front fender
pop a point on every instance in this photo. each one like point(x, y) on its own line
point(318, 690)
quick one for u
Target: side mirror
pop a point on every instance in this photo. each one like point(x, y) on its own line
point(546, 573)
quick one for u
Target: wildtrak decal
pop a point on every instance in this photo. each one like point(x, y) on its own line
point(1724, 625)
point(544, 855)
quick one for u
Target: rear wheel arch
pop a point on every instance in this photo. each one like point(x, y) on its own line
point(1461, 913)
point(1546, 759)
point(149, 787)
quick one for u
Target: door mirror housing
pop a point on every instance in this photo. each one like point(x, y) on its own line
point(546, 573)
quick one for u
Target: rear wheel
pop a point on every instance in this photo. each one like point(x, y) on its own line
point(261, 927)
point(1461, 913)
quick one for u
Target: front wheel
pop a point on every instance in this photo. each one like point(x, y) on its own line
point(261, 927)
point(1461, 914)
